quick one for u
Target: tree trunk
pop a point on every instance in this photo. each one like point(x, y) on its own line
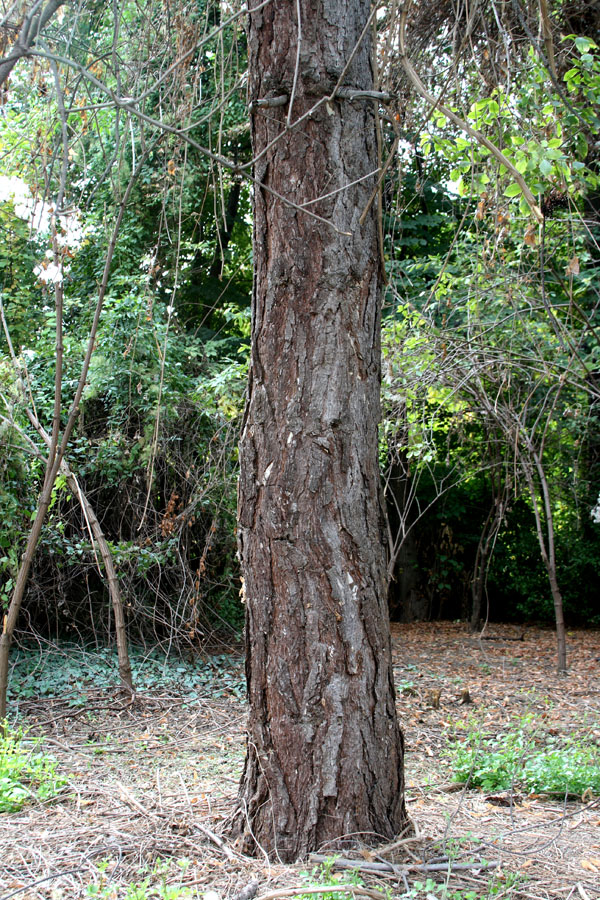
point(324, 749)
point(111, 577)
point(485, 548)
point(546, 545)
point(406, 602)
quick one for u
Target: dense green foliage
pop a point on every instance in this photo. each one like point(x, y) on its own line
point(490, 342)
point(490, 432)
point(154, 447)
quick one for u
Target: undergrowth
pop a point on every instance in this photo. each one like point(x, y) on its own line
point(496, 884)
point(25, 772)
point(70, 672)
point(324, 876)
point(524, 757)
point(152, 886)
point(504, 885)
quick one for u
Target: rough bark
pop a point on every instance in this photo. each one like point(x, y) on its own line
point(324, 753)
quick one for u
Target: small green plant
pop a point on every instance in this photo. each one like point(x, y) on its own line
point(528, 758)
point(323, 875)
point(153, 886)
point(25, 773)
point(436, 891)
point(489, 763)
point(500, 884)
point(504, 883)
point(572, 768)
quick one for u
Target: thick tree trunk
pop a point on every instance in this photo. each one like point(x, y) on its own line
point(325, 753)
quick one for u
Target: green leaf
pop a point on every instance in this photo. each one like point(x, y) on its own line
point(513, 190)
point(582, 146)
point(584, 44)
point(524, 207)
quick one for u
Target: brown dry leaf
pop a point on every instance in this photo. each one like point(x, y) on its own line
point(531, 236)
point(573, 266)
point(499, 800)
point(588, 864)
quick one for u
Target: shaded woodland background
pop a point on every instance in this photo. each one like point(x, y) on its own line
point(490, 443)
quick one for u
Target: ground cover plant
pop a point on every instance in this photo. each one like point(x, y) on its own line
point(151, 783)
point(152, 886)
point(526, 757)
point(330, 882)
point(26, 773)
point(75, 673)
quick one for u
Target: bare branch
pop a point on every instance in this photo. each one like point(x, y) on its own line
point(33, 24)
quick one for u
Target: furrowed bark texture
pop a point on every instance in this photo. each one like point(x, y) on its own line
point(325, 753)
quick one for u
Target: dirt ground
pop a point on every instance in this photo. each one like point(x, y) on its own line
point(151, 786)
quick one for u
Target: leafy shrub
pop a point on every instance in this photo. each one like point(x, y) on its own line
point(573, 768)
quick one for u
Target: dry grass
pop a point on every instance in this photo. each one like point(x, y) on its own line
point(151, 785)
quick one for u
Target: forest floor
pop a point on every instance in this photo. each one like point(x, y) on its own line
point(150, 786)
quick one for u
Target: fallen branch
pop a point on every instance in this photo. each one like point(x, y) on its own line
point(28, 887)
point(216, 840)
point(381, 867)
